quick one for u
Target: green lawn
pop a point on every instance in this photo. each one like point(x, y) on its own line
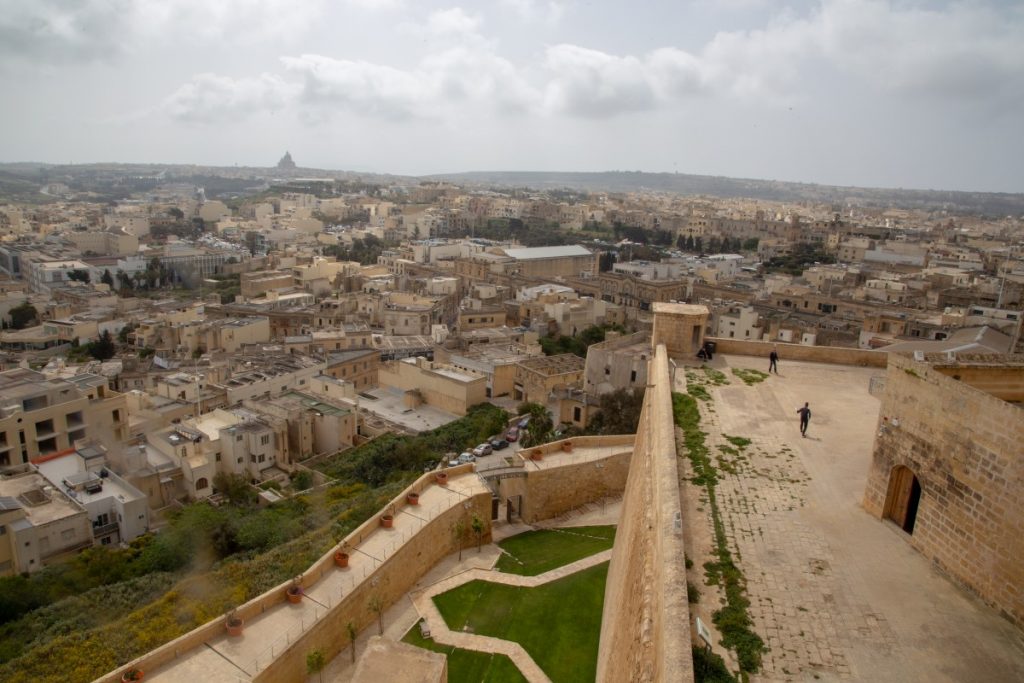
point(468, 666)
point(558, 623)
point(536, 552)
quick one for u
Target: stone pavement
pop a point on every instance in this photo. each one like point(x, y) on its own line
point(439, 631)
point(835, 593)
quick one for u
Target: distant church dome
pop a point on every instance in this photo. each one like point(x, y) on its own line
point(286, 161)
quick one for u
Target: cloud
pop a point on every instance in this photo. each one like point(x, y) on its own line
point(549, 12)
point(63, 31)
point(209, 98)
point(961, 53)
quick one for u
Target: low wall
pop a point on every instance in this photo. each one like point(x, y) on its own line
point(816, 354)
point(569, 480)
point(645, 628)
point(390, 581)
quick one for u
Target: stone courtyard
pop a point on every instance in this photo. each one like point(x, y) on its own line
point(835, 593)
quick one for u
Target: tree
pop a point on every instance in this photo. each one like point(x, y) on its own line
point(315, 663)
point(377, 606)
point(606, 261)
point(23, 315)
point(352, 634)
point(619, 412)
point(124, 281)
point(458, 533)
point(477, 525)
point(107, 278)
point(539, 429)
point(79, 276)
point(104, 347)
point(175, 212)
point(235, 488)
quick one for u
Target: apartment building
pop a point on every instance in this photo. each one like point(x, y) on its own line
point(40, 416)
point(537, 378)
point(358, 366)
point(619, 362)
point(434, 384)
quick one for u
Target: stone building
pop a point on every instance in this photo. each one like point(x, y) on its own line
point(680, 327)
point(948, 469)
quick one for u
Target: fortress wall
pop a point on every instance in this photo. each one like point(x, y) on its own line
point(645, 630)
point(965, 448)
point(815, 354)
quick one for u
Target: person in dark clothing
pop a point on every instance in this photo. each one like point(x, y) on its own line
point(773, 362)
point(805, 417)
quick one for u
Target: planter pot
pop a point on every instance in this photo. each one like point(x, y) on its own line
point(387, 521)
point(341, 559)
point(441, 478)
point(133, 675)
point(294, 595)
point(234, 626)
point(413, 498)
point(567, 446)
point(537, 455)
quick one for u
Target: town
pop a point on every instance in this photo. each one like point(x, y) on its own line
point(303, 347)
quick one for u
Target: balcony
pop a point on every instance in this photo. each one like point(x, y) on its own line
point(104, 529)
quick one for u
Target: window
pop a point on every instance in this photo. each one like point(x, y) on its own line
point(632, 376)
point(265, 439)
point(607, 370)
point(577, 413)
point(238, 438)
point(263, 458)
point(202, 483)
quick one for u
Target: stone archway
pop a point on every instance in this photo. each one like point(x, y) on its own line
point(903, 498)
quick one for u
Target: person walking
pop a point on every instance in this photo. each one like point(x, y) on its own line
point(805, 418)
point(773, 361)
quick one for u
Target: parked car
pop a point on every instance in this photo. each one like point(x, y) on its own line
point(522, 423)
point(512, 434)
point(466, 457)
point(482, 450)
point(499, 444)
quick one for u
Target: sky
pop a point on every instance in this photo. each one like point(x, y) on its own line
point(907, 93)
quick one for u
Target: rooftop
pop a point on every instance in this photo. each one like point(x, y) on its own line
point(530, 253)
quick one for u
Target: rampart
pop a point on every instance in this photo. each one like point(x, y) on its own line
point(948, 464)
point(815, 354)
point(645, 630)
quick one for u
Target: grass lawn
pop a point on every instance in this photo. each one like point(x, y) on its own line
point(536, 552)
point(468, 666)
point(558, 623)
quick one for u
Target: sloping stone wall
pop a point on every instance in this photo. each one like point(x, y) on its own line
point(645, 630)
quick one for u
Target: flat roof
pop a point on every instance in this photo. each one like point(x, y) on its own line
point(679, 309)
point(528, 253)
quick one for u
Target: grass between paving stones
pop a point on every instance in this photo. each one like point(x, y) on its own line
point(749, 375)
point(535, 552)
point(557, 623)
point(714, 376)
point(469, 666)
point(733, 620)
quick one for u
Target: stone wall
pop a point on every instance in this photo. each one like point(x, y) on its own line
point(679, 327)
point(964, 447)
point(568, 480)
point(645, 630)
point(816, 354)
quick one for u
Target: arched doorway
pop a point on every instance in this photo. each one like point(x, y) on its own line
point(903, 498)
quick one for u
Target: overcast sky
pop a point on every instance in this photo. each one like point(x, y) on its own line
point(916, 93)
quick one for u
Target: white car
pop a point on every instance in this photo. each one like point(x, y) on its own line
point(482, 450)
point(466, 457)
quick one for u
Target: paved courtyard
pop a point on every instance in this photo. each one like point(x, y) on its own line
point(835, 593)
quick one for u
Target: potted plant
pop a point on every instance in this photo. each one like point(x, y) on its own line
point(441, 478)
point(567, 446)
point(132, 674)
point(294, 593)
point(387, 521)
point(341, 556)
point(234, 624)
point(413, 498)
point(537, 454)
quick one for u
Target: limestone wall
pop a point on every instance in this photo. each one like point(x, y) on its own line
point(815, 354)
point(645, 630)
point(569, 480)
point(964, 447)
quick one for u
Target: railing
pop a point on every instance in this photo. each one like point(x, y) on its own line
point(104, 529)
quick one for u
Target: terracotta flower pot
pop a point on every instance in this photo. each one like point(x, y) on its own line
point(234, 626)
point(567, 446)
point(537, 454)
point(387, 521)
point(132, 675)
point(341, 559)
point(413, 498)
point(441, 478)
point(294, 595)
